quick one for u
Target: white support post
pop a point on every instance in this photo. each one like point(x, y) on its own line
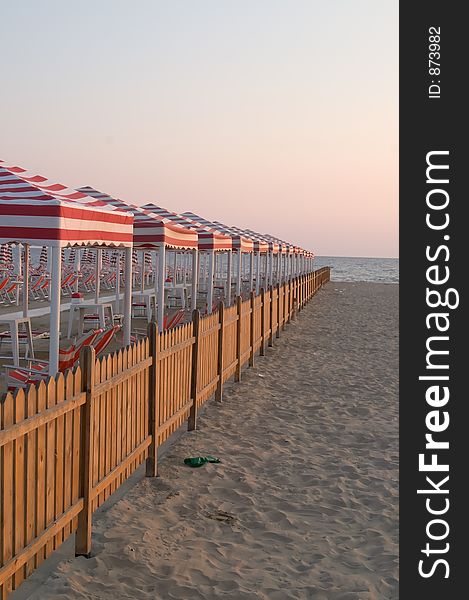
point(238, 273)
point(97, 273)
point(118, 281)
point(258, 272)
point(228, 279)
point(251, 271)
point(55, 287)
point(195, 279)
point(142, 283)
point(161, 278)
point(211, 272)
point(128, 296)
point(175, 271)
point(26, 281)
point(271, 267)
point(77, 267)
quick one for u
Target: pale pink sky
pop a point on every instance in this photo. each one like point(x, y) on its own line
point(276, 115)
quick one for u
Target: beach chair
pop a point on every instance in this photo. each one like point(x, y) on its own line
point(10, 292)
point(44, 289)
point(169, 323)
point(88, 283)
point(68, 288)
point(35, 289)
point(103, 340)
point(39, 370)
point(3, 284)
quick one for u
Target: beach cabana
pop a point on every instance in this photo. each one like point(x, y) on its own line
point(151, 232)
point(211, 243)
point(240, 244)
point(18, 183)
point(57, 223)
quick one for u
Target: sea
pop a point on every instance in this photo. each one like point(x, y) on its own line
point(349, 268)
point(344, 268)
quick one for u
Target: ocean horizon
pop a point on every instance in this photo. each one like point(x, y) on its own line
point(366, 269)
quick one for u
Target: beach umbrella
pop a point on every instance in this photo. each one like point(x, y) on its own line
point(43, 257)
point(6, 255)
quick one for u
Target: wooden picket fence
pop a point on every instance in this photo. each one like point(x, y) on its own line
point(67, 444)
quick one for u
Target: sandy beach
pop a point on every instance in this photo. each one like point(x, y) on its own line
point(304, 504)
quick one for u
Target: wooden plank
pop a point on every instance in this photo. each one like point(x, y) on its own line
point(192, 422)
point(114, 460)
point(34, 547)
point(59, 458)
point(76, 445)
point(239, 308)
point(50, 463)
point(133, 405)
point(34, 422)
point(105, 386)
point(177, 415)
point(31, 490)
point(251, 332)
point(100, 401)
point(107, 422)
point(7, 493)
point(119, 414)
point(262, 346)
point(271, 317)
point(221, 316)
point(277, 313)
point(125, 387)
point(131, 458)
point(68, 446)
point(41, 471)
point(20, 485)
point(83, 534)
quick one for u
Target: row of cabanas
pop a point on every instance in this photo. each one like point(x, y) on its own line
point(37, 212)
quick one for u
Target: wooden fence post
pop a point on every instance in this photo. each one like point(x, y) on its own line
point(271, 317)
point(262, 348)
point(238, 339)
point(83, 534)
point(192, 421)
point(277, 333)
point(219, 390)
point(251, 332)
point(289, 303)
point(151, 467)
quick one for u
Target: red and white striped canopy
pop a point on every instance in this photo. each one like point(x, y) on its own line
point(209, 238)
point(33, 216)
point(239, 243)
point(259, 244)
point(150, 231)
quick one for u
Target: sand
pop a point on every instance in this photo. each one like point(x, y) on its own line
point(305, 502)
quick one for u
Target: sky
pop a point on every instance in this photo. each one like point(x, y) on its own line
point(276, 115)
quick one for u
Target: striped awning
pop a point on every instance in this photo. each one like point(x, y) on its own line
point(209, 238)
point(259, 245)
point(239, 243)
point(31, 215)
point(149, 230)
point(16, 182)
point(59, 223)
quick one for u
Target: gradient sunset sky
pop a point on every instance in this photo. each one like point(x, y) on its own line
point(277, 115)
